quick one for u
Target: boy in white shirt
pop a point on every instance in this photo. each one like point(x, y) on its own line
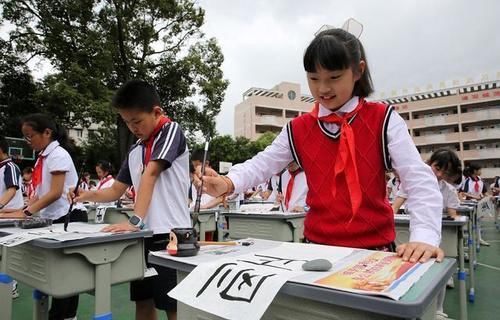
point(158, 168)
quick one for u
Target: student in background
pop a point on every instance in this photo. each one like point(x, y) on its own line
point(474, 188)
point(158, 168)
point(27, 187)
point(11, 198)
point(85, 183)
point(104, 171)
point(393, 186)
point(294, 184)
point(495, 191)
point(206, 201)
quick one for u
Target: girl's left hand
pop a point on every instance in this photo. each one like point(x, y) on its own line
point(120, 227)
point(419, 252)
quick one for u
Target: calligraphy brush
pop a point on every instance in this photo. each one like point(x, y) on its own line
point(196, 210)
point(67, 216)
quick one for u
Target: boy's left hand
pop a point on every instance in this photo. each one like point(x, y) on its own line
point(120, 227)
point(419, 252)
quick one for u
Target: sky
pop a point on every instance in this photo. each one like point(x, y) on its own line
point(410, 44)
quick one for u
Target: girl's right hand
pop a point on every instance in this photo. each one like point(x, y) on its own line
point(83, 195)
point(213, 184)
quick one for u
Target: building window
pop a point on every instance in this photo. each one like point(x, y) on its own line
point(79, 133)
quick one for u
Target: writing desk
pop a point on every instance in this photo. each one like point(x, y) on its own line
point(205, 220)
point(452, 241)
point(270, 226)
point(300, 301)
point(63, 269)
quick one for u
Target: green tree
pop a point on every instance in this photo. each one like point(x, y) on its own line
point(226, 148)
point(17, 91)
point(97, 45)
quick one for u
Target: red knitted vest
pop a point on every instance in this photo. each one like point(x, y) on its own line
point(327, 221)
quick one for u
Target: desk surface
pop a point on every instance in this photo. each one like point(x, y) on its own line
point(56, 244)
point(405, 219)
point(412, 305)
point(273, 215)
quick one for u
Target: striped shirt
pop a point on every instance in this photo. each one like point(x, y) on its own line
point(10, 177)
point(168, 207)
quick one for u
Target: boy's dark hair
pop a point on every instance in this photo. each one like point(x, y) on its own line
point(136, 94)
point(337, 49)
point(4, 145)
point(105, 166)
point(198, 155)
point(447, 160)
point(40, 121)
point(28, 170)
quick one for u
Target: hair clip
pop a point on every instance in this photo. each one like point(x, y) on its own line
point(351, 25)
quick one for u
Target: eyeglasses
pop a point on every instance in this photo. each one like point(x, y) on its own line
point(29, 138)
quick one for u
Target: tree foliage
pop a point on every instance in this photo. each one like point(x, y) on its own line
point(235, 150)
point(95, 46)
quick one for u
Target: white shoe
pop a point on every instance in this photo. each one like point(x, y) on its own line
point(450, 283)
point(440, 315)
point(484, 243)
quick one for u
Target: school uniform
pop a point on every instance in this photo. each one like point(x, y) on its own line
point(205, 198)
point(55, 158)
point(382, 142)
point(448, 193)
point(294, 189)
point(273, 185)
point(474, 186)
point(105, 182)
point(167, 208)
point(10, 177)
point(394, 185)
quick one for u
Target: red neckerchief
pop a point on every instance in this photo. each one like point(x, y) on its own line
point(148, 143)
point(289, 186)
point(103, 181)
point(346, 157)
point(36, 178)
point(476, 184)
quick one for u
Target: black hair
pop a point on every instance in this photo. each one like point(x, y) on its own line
point(470, 168)
point(337, 49)
point(28, 170)
point(39, 122)
point(198, 155)
point(447, 160)
point(105, 166)
point(136, 94)
point(4, 145)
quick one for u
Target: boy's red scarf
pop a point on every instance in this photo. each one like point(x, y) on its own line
point(148, 143)
point(346, 159)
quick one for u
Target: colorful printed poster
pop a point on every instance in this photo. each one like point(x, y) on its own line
point(374, 272)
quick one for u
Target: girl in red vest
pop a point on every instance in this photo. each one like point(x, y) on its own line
point(345, 145)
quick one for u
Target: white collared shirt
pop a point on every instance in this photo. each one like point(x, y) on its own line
point(56, 159)
point(414, 174)
point(299, 191)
